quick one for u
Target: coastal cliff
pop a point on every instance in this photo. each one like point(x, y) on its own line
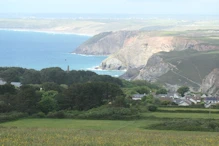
point(210, 84)
point(179, 59)
point(105, 43)
point(136, 50)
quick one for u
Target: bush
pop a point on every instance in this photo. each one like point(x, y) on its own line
point(11, 116)
point(187, 125)
point(39, 115)
point(58, 115)
point(110, 113)
point(152, 108)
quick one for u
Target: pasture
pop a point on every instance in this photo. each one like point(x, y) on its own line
point(97, 133)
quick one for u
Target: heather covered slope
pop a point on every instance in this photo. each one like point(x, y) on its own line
point(189, 67)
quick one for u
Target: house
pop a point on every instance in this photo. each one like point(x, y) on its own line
point(16, 84)
point(182, 102)
point(166, 99)
point(138, 96)
point(203, 96)
point(198, 98)
point(191, 99)
point(161, 96)
point(171, 95)
point(2, 82)
point(168, 95)
point(176, 95)
point(209, 101)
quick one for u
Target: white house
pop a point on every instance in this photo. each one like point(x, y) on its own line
point(16, 84)
point(138, 96)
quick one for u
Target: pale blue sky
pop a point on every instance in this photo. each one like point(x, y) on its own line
point(111, 6)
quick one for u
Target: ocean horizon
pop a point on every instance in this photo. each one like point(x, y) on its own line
point(39, 49)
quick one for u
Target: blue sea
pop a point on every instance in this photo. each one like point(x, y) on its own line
point(38, 50)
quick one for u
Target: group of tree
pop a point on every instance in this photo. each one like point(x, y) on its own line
point(53, 74)
point(182, 90)
point(78, 96)
point(53, 89)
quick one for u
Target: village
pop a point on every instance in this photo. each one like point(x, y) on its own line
point(188, 100)
point(171, 98)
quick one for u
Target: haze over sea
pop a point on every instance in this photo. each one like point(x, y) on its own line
point(38, 50)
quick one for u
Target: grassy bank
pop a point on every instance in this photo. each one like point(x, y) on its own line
point(96, 133)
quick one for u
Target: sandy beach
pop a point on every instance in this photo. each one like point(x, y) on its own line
point(50, 31)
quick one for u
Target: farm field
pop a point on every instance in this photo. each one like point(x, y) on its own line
point(182, 115)
point(97, 133)
point(186, 109)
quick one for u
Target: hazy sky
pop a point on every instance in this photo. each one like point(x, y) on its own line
point(111, 6)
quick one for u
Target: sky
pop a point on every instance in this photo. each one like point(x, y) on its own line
point(200, 7)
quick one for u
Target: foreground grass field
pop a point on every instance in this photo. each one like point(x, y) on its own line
point(97, 132)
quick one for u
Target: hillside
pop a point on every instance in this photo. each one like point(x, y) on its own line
point(191, 66)
point(210, 84)
point(173, 58)
point(188, 67)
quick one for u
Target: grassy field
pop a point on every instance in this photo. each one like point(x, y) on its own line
point(96, 133)
point(182, 115)
point(186, 109)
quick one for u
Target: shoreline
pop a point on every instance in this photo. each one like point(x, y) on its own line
point(89, 55)
point(46, 31)
point(97, 68)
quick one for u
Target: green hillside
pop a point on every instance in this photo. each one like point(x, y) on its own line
point(191, 66)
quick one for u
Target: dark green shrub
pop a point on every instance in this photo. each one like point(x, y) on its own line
point(4, 117)
point(110, 113)
point(152, 108)
point(39, 115)
point(58, 115)
point(187, 125)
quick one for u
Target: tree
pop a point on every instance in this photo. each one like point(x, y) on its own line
point(51, 86)
point(142, 90)
point(7, 88)
point(161, 91)
point(148, 99)
point(53, 74)
point(152, 108)
point(31, 77)
point(47, 102)
point(182, 90)
point(90, 95)
point(120, 101)
point(27, 99)
point(12, 74)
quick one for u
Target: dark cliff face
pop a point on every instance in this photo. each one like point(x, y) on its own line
point(104, 43)
point(154, 68)
point(210, 84)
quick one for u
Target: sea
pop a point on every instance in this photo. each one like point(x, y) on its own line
point(38, 50)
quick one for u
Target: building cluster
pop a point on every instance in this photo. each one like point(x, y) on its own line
point(16, 84)
point(188, 100)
